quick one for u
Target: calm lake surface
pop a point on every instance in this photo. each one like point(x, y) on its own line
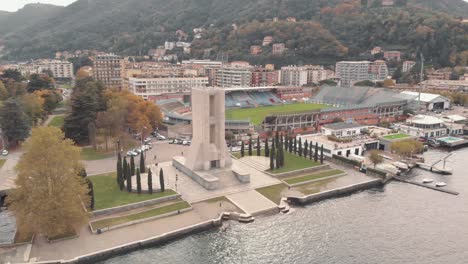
point(400, 223)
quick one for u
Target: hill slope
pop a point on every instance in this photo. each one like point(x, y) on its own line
point(134, 26)
point(453, 7)
point(27, 16)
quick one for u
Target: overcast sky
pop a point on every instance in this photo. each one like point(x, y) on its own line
point(13, 5)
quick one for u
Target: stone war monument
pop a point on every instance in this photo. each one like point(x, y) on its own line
point(208, 149)
point(208, 160)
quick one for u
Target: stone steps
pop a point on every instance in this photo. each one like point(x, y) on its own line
point(254, 164)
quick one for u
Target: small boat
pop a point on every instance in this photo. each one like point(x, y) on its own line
point(427, 180)
point(401, 165)
point(440, 184)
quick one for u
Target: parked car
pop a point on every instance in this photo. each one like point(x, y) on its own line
point(138, 151)
point(5, 152)
point(160, 137)
point(186, 142)
point(131, 153)
point(149, 146)
point(145, 148)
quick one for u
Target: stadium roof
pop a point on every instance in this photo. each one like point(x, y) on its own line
point(425, 97)
point(358, 96)
point(425, 120)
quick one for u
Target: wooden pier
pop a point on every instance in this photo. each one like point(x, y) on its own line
point(426, 186)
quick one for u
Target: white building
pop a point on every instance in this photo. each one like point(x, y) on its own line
point(316, 73)
point(155, 86)
point(234, 76)
point(342, 130)
point(423, 126)
point(168, 45)
point(293, 76)
point(407, 65)
point(350, 72)
point(60, 69)
point(429, 101)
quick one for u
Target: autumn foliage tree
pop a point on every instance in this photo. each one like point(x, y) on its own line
point(50, 195)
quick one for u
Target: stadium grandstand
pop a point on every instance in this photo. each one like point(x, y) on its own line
point(246, 99)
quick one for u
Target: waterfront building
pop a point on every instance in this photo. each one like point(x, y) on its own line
point(423, 126)
point(109, 70)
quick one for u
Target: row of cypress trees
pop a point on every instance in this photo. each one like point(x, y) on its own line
point(125, 171)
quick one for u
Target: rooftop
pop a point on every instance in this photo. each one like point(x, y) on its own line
point(342, 125)
point(396, 136)
point(425, 120)
point(425, 97)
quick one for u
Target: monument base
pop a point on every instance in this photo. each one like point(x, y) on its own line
point(210, 179)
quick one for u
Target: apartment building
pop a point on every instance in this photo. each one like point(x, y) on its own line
point(407, 65)
point(392, 55)
point(278, 48)
point(149, 87)
point(109, 70)
point(317, 73)
point(60, 69)
point(264, 77)
point(350, 72)
point(293, 76)
point(234, 76)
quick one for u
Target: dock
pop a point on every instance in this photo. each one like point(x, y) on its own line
point(426, 186)
point(433, 168)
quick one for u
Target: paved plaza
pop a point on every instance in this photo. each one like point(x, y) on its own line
point(252, 202)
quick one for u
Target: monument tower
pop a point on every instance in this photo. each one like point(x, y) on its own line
point(208, 149)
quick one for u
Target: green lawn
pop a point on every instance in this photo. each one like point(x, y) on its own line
point(256, 115)
point(107, 193)
point(90, 154)
point(57, 121)
point(396, 136)
point(313, 176)
point(141, 215)
point(292, 162)
point(273, 192)
point(2, 161)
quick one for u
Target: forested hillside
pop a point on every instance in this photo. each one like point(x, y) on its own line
point(331, 29)
point(27, 16)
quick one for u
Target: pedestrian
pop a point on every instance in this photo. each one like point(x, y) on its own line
point(220, 204)
point(182, 153)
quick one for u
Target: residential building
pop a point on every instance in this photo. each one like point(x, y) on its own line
point(376, 50)
point(150, 87)
point(342, 130)
point(234, 76)
point(278, 48)
point(267, 40)
point(60, 69)
point(255, 50)
point(293, 76)
point(423, 126)
point(157, 53)
point(169, 45)
point(264, 77)
point(407, 65)
point(392, 55)
point(291, 19)
point(316, 73)
point(109, 70)
point(439, 75)
point(350, 72)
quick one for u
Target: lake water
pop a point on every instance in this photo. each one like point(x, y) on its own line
point(400, 223)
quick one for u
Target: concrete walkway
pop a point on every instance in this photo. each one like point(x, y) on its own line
point(87, 243)
point(8, 171)
point(257, 162)
point(252, 202)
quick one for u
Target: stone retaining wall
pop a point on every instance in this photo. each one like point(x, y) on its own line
point(335, 192)
point(127, 207)
point(314, 180)
point(301, 171)
point(141, 244)
point(208, 182)
point(101, 230)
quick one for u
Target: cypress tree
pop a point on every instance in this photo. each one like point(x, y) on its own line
point(286, 142)
point(124, 168)
point(150, 182)
point(316, 152)
point(278, 158)
point(311, 147)
point(90, 193)
point(306, 148)
point(272, 157)
point(281, 141)
point(282, 158)
point(138, 178)
point(267, 148)
point(129, 180)
point(258, 147)
point(276, 139)
point(300, 147)
point(250, 146)
point(142, 163)
point(291, 141)
point(119, 169)
point(161, 180)
point(132, 166)
point(242, 148)
point(321, 154)
point(295, 146)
